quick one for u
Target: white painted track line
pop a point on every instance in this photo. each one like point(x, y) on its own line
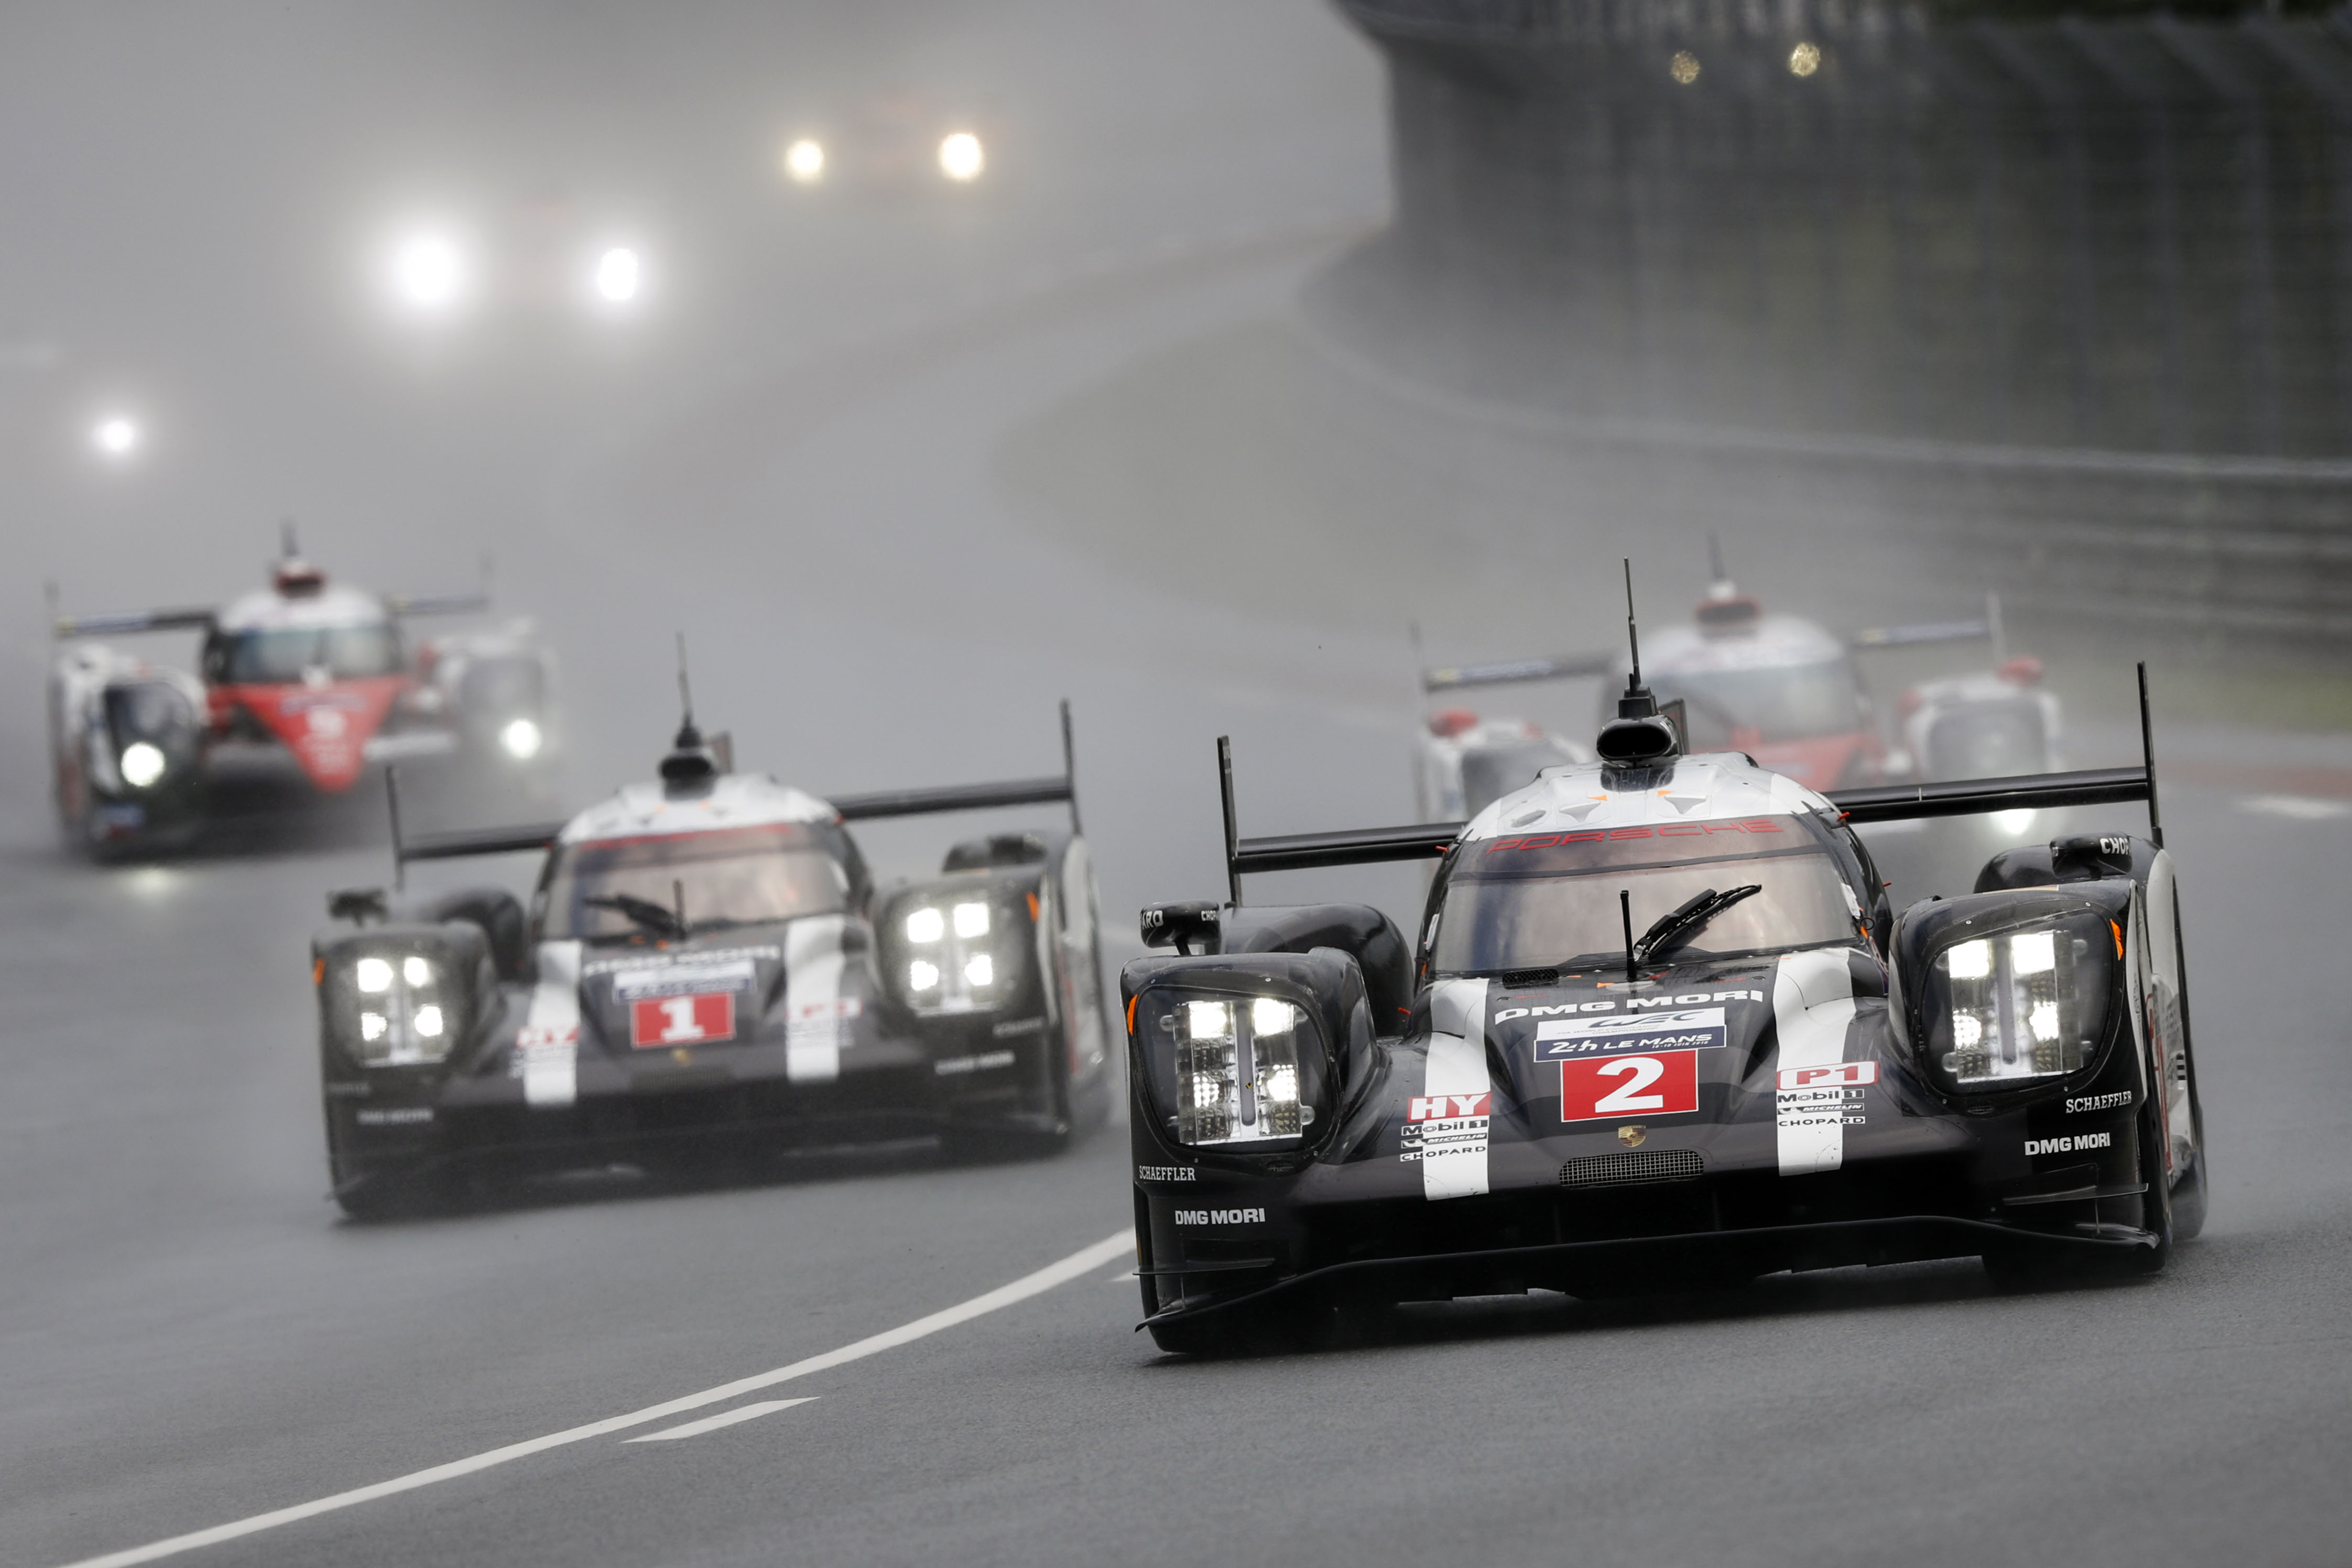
point(724, 1418)
point(1084, 1261)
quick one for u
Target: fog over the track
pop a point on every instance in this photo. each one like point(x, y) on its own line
point(851, 446)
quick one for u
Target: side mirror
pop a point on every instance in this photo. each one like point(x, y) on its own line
point(357, 905)
point(1191, 929)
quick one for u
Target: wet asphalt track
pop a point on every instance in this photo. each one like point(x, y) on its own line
point(188, 1336)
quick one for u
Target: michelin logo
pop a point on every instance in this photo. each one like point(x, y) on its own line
point(2079, 1143)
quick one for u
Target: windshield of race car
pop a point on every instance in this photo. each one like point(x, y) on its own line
point(276, 657)
point(1549, 900)
point(1787, 702)
point(738, 875)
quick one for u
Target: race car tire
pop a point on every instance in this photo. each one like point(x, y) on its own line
point(2189, 1194)
point(2039, 1269)
point(981, 1145)
point(392, 1198)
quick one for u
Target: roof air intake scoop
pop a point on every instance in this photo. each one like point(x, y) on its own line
point(1640, 734)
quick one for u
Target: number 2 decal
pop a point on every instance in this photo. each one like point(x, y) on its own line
point(1664, 1083)
point(1645, 1071)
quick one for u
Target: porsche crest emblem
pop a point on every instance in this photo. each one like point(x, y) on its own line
point(1632, 1136)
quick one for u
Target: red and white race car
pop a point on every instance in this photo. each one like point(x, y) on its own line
point(318, 672)
point(1789, 693)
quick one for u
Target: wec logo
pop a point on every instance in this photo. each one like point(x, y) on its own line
point(1445, 1107)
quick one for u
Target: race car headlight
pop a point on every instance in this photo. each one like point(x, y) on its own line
point(1232, 1069)
point(142, 764)
point(953, 954)
point(2003, 1007)
point(401, 1015)
point(521, 738)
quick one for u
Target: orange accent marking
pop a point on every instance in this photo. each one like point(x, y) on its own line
point(1032, 909)
point(318, 972)
point(1131, 1017)
point(2119, 938)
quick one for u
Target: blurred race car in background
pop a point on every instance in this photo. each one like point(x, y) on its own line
point(1789, 693)
point(891, 142)
point(1466, 763)
point(706, 966)
point(1779, 1073)
point(318, 673)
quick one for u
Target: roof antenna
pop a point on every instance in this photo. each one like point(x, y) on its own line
point(1714, 558)
point(286, 547)
point(691, 767)
point(1625, 913)
point(1638, 702)
point(687, 735)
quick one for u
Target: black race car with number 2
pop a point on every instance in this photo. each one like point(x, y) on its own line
point(1660, 1028)
point(706, 963)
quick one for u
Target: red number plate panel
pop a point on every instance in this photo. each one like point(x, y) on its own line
point(1613, 1089)
point(681, 1020)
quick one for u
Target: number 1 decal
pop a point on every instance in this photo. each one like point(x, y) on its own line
point(1602, 1089)
point(681, 1020)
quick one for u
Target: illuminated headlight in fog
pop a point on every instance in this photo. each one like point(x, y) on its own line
point(805, 161)
point(142, 764)
point(967, 962)
point(618, 274)
point(2017, 1007)
point(1684, 66)
point(1236, 1070)
point(428, 271)
point(961, 157)
point(2014, 823)
point(521, 738)
point(403, 1019)
point(1804, 60)
point(2033, 953)
point(115, 435)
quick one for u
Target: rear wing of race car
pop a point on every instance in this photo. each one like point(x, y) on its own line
point(1887, 803)
point(1987, 628)
point(438, 603)
point(129, 622)
point(852, 808)
point(1514, 671)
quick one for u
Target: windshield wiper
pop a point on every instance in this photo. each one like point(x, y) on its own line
point(644, 912)
point(1685, 921)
